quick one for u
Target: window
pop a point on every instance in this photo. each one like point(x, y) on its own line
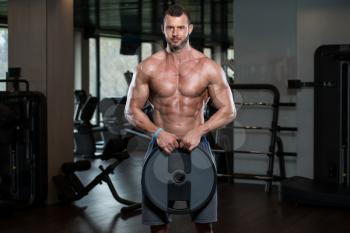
point(146, 50)
point(207, 52)
point(77, 61)
point(3, 56)
point(113, 66)
point(230, 54)
point(230, 58)
point(92, 67)
point(107, 67)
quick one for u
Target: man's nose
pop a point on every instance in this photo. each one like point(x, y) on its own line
point(174, 32)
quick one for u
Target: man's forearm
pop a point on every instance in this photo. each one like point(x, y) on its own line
point(219, 119)
point(140, 120)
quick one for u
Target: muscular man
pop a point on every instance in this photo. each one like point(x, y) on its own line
point(179, 81)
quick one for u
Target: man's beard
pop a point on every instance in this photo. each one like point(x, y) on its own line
point(174, 48)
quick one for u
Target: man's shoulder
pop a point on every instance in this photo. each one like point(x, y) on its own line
point(210, 65)
point(208, 62)
point(205, 60)
point(151, 63)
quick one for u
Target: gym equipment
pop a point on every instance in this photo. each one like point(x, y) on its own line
point(80, 99)
point(179, 183)
point(280, 155)
point(221, 143)
point(279, 128)
point(112, 136)
point(265, 104)
point(297, 84)
point(275, 146)
point(128, 77)
point(23, 144)
point(113, 140)
point(116, 130)
point(70, 188)
point(332, 158)
point(113, 118)
point(330, 186)
point(83, 132)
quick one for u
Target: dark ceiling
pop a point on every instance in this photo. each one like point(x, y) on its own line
point(3, 11)
point(212, 19)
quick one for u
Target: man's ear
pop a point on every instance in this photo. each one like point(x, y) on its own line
point(190, 28)
point(162, 28)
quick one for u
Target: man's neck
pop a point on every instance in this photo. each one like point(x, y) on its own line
point(181, 55)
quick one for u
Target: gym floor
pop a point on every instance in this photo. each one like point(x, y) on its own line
point(242, 208)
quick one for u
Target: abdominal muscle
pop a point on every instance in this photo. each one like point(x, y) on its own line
point(178, 116)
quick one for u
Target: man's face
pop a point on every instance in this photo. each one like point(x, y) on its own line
point(176, 31)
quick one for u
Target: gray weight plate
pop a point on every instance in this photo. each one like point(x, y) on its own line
point(179, 183)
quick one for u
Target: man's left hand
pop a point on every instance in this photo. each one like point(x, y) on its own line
point(191, 139)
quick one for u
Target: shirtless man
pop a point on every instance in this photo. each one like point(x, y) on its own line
point(179, 81)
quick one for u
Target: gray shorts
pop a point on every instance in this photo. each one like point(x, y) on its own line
point(152, 215)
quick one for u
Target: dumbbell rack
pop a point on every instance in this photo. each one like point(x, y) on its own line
point(276, 144)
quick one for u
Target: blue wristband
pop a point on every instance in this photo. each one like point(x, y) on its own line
point(155, 135)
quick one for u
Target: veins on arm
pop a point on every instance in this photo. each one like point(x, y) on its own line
point(221, 96)
point(138, 95)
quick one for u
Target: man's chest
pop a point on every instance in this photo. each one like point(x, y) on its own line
point(186, 80)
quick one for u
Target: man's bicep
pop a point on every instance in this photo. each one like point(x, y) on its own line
point(138, 91)
point(219, 90)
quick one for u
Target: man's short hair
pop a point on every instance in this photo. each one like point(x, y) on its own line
point(176, 11)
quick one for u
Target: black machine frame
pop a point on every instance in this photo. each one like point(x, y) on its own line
point(70, 188)
point(23, 170)
point(331, 127)
point(275, 146)
point(330, 186)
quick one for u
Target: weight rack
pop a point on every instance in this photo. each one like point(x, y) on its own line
point(275, 146)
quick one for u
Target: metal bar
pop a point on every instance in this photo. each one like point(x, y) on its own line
point(137, 133)
point(254, 152)
point(344, 119)
point(347, 156)
point(292, 154)
point(251, 176)
point(115, 193)
point(133, 207)
point(251, 127)
point(97, 180)
point(274, 129)
point(290, 104)
point(98, 58)
point(140, 15)
point(289, 154)
point(279, 128)
point(202, 40)
point(280, 155)
point(265, 104)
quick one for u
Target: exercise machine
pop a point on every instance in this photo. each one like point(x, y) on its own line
point(331, 183)
point(70, 188)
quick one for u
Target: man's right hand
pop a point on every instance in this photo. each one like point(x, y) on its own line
point(167, 141)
